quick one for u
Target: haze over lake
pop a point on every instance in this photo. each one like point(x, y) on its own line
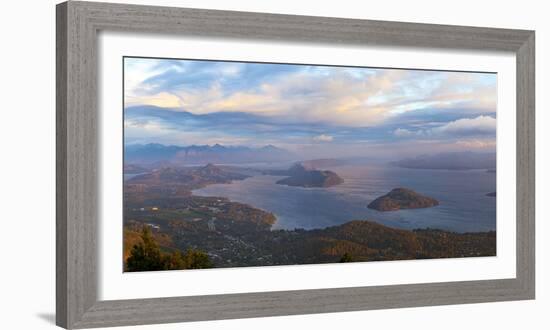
point(464, 206)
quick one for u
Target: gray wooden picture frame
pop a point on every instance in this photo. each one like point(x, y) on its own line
point(78, 24)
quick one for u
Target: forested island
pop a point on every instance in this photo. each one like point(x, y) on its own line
point(402, 198)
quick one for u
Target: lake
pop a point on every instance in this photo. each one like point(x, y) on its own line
point(464, 206)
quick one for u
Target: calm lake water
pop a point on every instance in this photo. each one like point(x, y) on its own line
point(463, 204)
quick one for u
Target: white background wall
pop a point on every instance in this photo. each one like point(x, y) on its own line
point(27, 139)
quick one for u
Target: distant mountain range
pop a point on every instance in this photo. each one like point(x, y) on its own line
point(451, 161)
point(187, 177)
point(203, 154)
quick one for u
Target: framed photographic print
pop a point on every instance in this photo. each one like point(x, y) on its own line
point(216, 165)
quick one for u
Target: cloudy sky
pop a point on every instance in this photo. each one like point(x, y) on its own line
point(320, 111)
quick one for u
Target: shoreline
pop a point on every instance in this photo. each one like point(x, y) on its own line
point(236, 234)
point(383, 220)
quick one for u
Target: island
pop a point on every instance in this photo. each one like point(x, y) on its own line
point(402, 198)
point(302, 176)
point(451, 161)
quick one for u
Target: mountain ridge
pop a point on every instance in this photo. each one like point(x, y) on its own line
point(202, 154)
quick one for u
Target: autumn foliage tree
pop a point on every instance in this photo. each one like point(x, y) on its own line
point(195, 259)
point(147, 256)
point(346, 258)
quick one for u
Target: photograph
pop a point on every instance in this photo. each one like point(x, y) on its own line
point(240, 164)
point(275, 165)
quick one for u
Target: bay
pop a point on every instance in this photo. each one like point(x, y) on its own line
point(464, 206)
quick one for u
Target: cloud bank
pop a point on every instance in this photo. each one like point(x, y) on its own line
point(185, 102)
